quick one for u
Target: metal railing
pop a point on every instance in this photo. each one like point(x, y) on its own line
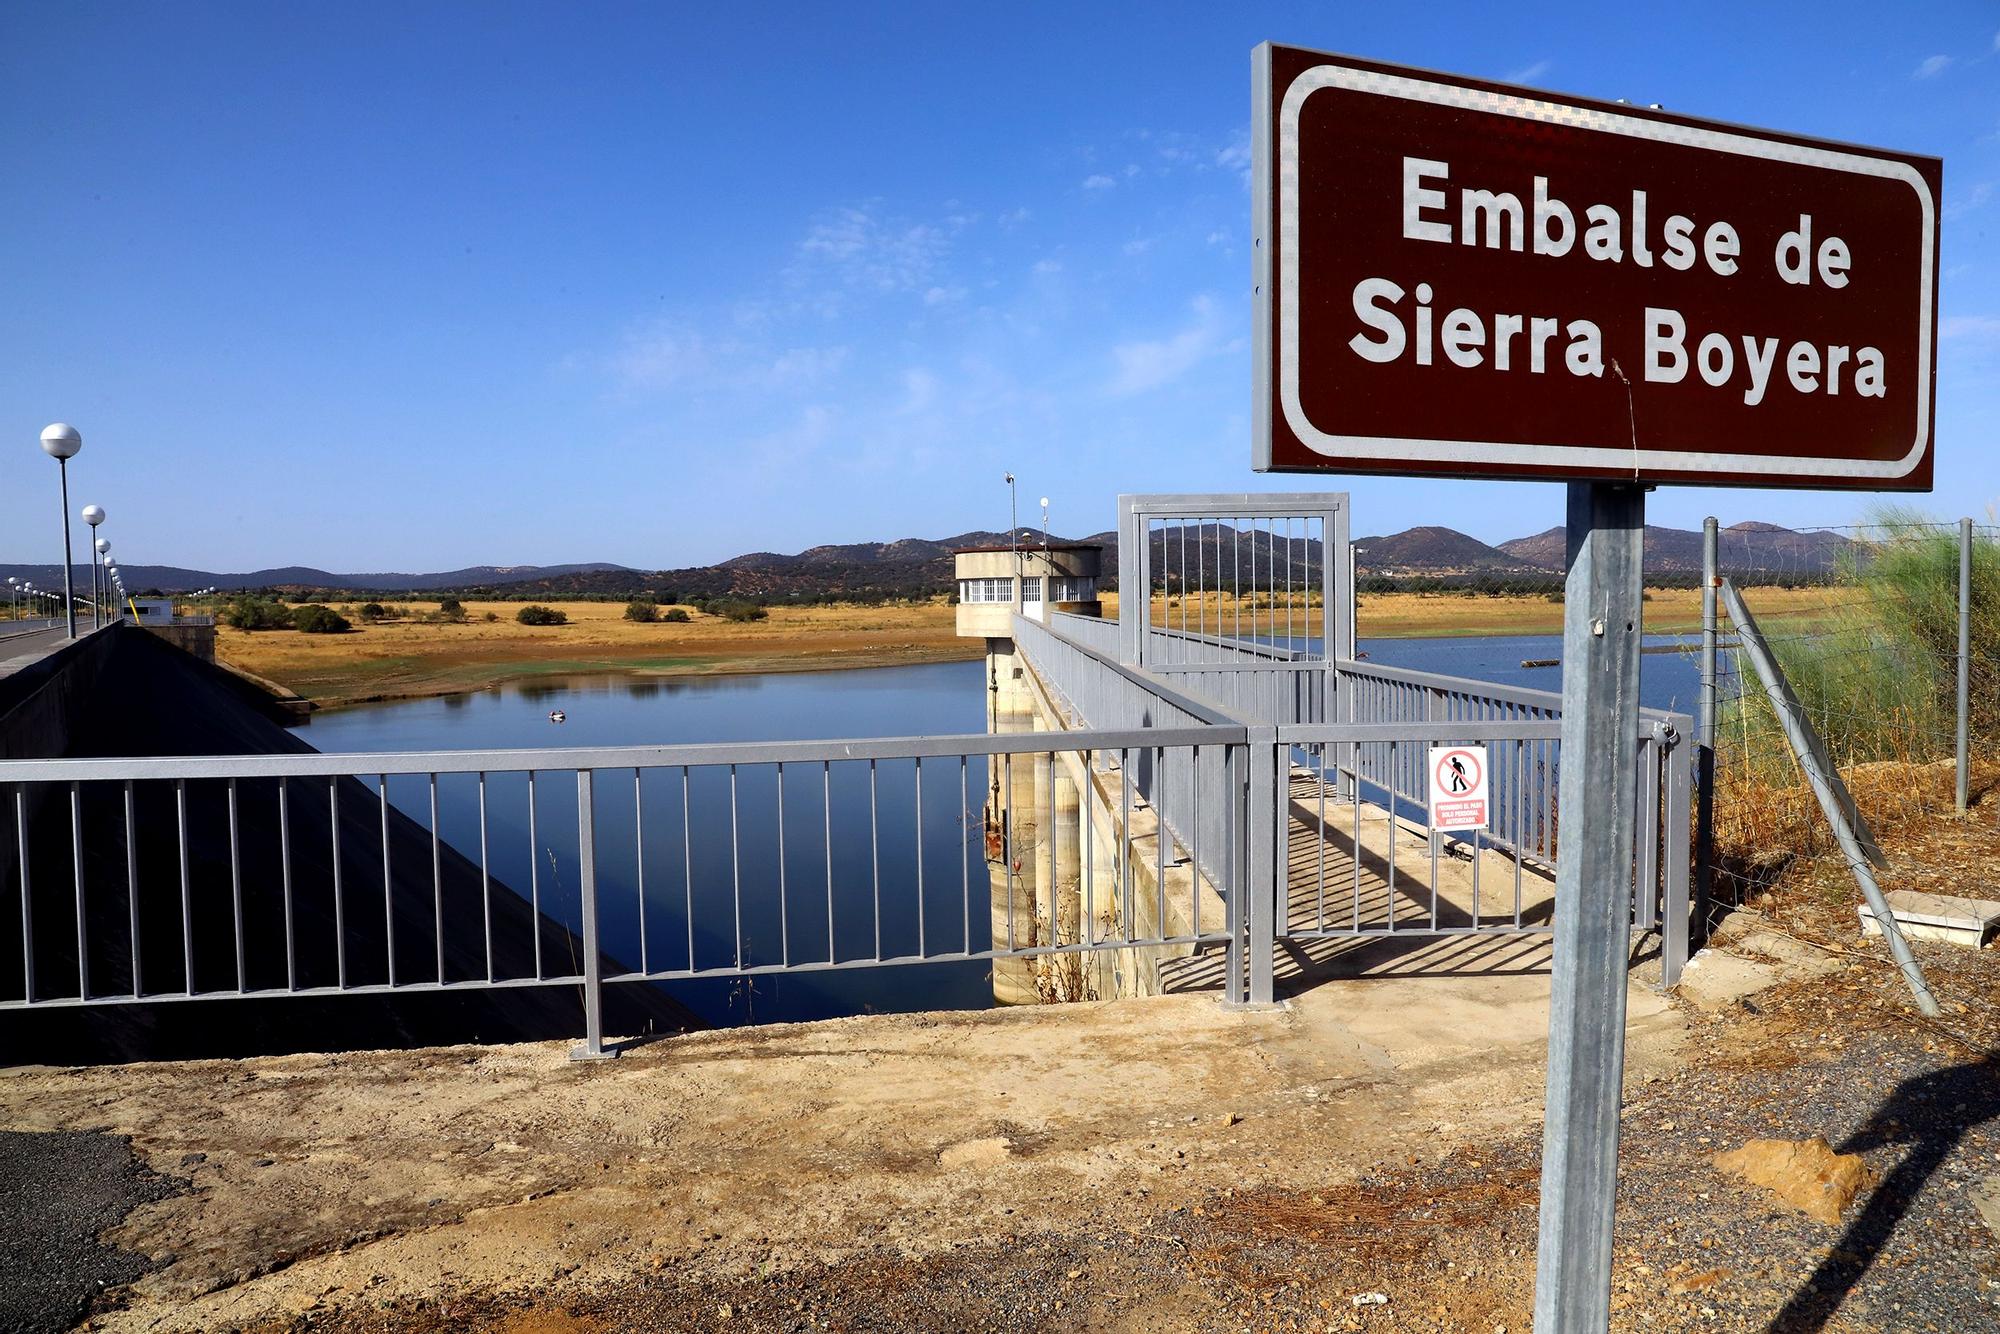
point(1194, 797)
point(1357, 735)
point(1160, 820)
point(139, 880)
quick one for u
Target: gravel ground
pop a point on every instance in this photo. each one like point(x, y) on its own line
point(1450, 1244)
point(62, 1189)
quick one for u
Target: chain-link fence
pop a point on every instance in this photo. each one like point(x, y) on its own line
point(1886, 635)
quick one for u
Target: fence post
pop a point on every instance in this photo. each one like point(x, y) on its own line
point(593, 965)
point(1704, 739)
point(1964, 662)
point(1235, 980)
point(1266, 811)
point(1674, 913)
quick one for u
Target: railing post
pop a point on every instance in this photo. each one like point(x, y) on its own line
point(593, 965)
point(1236, 856)
point(1704, 740)
point(1674, 908)
point(1262, 811)
point(1964, 750)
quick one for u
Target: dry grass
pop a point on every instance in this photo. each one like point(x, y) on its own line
point(398, 659)
point(1438, 615)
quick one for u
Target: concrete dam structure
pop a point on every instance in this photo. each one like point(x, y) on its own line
point(150, 886)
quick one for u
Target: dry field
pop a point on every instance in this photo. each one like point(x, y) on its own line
point(399, 659)
point(1436, 615)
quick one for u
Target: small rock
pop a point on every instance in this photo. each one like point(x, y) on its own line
point(1808, 1174)
point(1371, 1299)
point(1986, 1202)
point(262, 1162)
point(1233, 1119)
point(989, 1152)
point(190, 1159)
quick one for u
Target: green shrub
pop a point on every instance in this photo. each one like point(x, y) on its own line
point(678, 615)
point(373, 611)
point(534, 614)
point(315, 619)
point(643, 610)
point(255, 613)
point(735, 609)
point(492, 616)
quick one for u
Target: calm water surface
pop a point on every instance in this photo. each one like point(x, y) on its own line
point(705, 873)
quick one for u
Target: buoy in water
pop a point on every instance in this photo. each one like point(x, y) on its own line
point(557, 716)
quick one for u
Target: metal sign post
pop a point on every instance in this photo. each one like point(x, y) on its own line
point(1602, 634)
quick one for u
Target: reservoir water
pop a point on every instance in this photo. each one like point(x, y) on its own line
point(706, 872)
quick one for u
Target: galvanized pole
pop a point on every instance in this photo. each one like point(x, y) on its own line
point(593, 1048)
point(1964, 662)
point(1835, 802)
point(1602, 633)
point(1704, 740)
point(69, 597)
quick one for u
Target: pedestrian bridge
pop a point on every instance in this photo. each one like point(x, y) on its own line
point(1210, 789)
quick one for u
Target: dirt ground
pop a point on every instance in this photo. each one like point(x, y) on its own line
point(346, 1187)
point(1156, 1164)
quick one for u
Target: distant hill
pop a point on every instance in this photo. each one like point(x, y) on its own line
point(1761, 549)
point(917, 567)
point(1435, 551)
point(178, 579)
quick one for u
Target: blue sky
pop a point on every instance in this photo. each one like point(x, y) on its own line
point(411, 287)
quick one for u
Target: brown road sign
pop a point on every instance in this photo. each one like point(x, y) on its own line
point(1470, 279)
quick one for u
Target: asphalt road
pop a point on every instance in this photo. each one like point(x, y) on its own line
point(63, 1189)
point(19, 647)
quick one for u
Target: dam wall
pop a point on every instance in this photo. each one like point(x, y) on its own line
point(152, 871)
point(1079, 859)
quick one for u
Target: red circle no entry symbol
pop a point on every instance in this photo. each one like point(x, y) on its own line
point(1457, 772)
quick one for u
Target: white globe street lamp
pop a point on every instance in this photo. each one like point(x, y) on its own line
point(61, 441)
point(94, 515)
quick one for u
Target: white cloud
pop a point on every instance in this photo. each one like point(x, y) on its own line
point(664, 356)
point(1138, 245)
point(1969, 326)
point(1218, 237)
point(1131, 170)
point(1099, 181)
point(860, 247)
point(1045, 267)
point(1234, 156)
point(1528, 73)
point(1971, 201)
point(1931, 67)
point(1143, 366)
point(1013, 218)
point(939, 296)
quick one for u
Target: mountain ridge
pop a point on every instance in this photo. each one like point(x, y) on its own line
point(910, 566)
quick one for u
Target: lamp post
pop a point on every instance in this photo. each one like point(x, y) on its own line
point(61, 441)
point(1014, 535)
point(94, 515)
point(13, 599)
point(102, 557)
